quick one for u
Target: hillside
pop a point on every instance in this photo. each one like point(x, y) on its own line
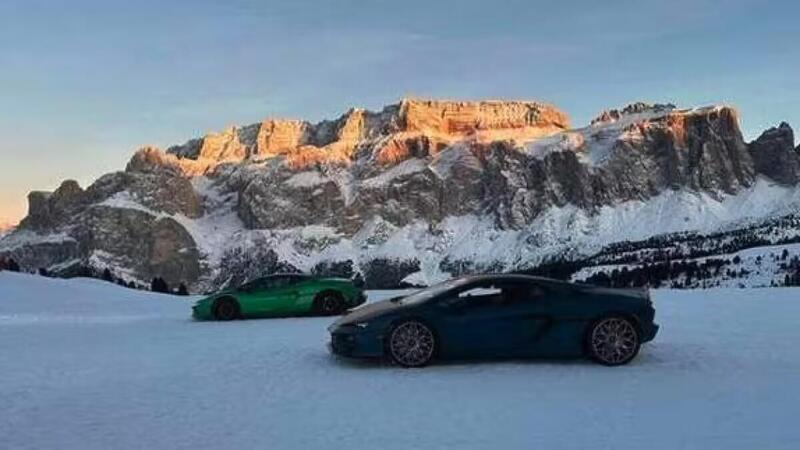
point(420, 191)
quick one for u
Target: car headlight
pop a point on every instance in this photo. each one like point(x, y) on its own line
point(361, 325)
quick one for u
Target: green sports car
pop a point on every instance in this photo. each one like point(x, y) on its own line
point(281, 295)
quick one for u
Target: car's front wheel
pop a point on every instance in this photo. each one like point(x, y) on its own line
point(411, 343)
point(613, 341)
point(226, 308)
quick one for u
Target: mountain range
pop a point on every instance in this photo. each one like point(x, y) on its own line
point(426, 189)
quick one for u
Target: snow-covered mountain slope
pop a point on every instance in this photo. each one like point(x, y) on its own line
point(754, 267)
point(88, 365)
point(416, 192)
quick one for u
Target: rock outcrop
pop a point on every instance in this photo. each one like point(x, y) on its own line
point(394, 191)
point(49, 209)
point(774, 155)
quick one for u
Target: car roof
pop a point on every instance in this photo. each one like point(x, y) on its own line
point(511, 277)
point(288, 274)
point(281, 275)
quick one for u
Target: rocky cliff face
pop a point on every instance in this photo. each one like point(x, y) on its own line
point(774, 155)
point(417, 190)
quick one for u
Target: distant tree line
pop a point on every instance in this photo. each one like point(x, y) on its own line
point(9, 264)
point(158, 284)
point(683, 274)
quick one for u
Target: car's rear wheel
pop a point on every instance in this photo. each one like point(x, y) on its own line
point(226, 308)
point(411, 343)
point(329, 303)
point(613, 340)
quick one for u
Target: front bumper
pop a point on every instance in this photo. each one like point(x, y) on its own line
point(201, 311)
point(354, 342)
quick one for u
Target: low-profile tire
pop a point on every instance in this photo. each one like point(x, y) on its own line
point(411, 343)
point(226, 308)
point(613, 340)
point(329, 303)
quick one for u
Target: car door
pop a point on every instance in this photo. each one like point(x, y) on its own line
point(297, 294)
point(278, 297)
point(494, 320)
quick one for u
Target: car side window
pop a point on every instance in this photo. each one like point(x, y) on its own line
point(478, 296)
point(502, 294)
point(294, 279)
point(524, 293)
point(496, 295)
point(479, 291)
point(264, 283)
point(279, 282)
point(261, 284)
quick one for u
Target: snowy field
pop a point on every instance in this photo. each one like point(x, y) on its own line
point(87, 365)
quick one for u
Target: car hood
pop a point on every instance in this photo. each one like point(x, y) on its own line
point(369, 311)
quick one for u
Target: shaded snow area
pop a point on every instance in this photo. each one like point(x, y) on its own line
point(26, 237)
point(89, 365)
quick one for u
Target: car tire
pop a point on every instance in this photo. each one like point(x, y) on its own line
point(329, 303)
point(226, 308)
point(411, 343)
point(613, 340)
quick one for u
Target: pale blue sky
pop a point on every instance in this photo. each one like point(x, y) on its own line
point(84, 83)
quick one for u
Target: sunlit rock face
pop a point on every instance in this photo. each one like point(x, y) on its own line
point(393, 189)
point(394, 133)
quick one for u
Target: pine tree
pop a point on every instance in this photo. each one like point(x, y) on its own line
point(182, 290)
point(159, 285)
point(12, 265)
point(107, 276)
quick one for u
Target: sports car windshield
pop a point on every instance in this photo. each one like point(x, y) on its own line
point(432, 291)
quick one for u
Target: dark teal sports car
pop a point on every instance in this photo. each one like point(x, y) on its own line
point(500, 316)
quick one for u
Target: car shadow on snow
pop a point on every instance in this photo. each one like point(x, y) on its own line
point(382, 364)
point(650, 355)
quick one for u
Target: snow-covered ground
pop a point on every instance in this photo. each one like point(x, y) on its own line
point(88, 365)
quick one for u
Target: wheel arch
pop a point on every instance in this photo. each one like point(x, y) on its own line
point(329, 290)
point(615, 312)
point(225, 297)
point(315, 306)
point(216, 300)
